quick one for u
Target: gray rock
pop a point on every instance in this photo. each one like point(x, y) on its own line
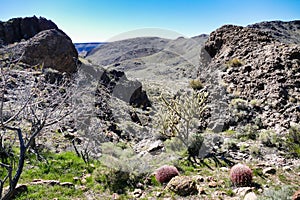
point(269, 170)
point(182, 185)
point(51, 49)
point(250, 196)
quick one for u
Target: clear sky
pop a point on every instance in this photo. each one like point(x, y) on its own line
point(100, 20)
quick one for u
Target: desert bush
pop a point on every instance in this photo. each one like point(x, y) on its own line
point(115, 180)
point(196, 84)
point(248, 132)
point(165, 173)
point(293, 142)
point(268, 138)
point(255, 150)
point(235, 62)
point(29, 105)
point(241, 175)
point(239, 103)
point(181, 117)
point(282, 193)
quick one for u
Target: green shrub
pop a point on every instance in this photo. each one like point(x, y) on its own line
point(248, 132)
point(268, 138)
point(282, 193)
point(293, 142)
point(255, 150)
point(196, 84)
point(235, 62)
point(113, 179)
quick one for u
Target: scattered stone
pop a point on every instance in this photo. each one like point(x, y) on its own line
point(287, 168)
point(158, 194)
point(296, 195)
point(20, 188)
point(76, 178)
point(66, 184)
point(182, 185)
point(269, 170)
point(224, 169)
point(201, 190)
point(155, 146)
point(250, 196)
point(212, 184)
point(83, 181)
point(81, 187)
point(198, 179)
point(137, 193)
point(45, 182)
point(221, 183)
point(242, 191)
point(115, 196)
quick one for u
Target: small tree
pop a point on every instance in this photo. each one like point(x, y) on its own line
point(28, 104)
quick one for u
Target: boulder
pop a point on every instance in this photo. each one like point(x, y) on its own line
point(182, 185)
point(51, 49)
point(127, 90)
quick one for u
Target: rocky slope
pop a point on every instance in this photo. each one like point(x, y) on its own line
point(285, 32)
point(52, 52)
point(252, 78)
point(265, 76)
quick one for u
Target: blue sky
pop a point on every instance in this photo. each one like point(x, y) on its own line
point(100, 20)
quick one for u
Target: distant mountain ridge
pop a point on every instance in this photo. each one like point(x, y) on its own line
point(285, 32)
point(85, 48)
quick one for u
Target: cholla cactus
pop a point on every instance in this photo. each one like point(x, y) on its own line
point(241, 175)
point(165, 173)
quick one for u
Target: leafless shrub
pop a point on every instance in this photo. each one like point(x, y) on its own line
point(28, 104)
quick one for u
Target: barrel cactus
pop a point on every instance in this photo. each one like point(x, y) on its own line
point(241, 175)
point(165, 173)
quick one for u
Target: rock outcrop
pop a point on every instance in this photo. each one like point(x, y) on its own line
point(16, 29)
point(38, 41)
point(52, 49)
point(122, 88)
point(260, 71)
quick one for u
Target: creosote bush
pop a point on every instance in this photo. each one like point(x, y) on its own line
point(241, 175)
point(235, 62)
point(165, 173)
point(196, 84)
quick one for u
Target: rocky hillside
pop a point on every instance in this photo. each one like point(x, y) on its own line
point(261, 72)
point(121, 102)
point(286, 32)
point(52, 54)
